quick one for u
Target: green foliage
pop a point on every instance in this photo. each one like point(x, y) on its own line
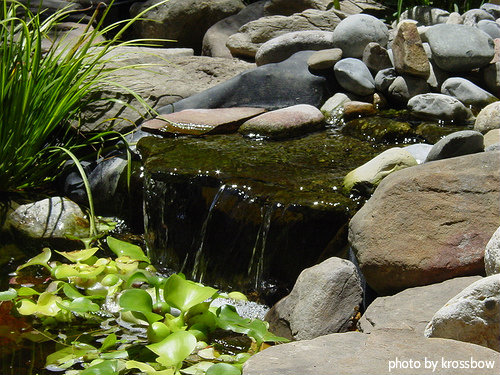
point(124, 295)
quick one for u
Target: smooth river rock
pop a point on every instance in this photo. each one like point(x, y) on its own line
point(439, 107)
point(467, 92)
point(492, 254)
point(428, 223)
point(353, 75)
point(459, 143)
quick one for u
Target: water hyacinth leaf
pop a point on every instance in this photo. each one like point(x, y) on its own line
point(126, 265)
point(41, 259)
point(198, 368)
point(237, 296)
point(184, 294)
point(25, 291)
point(109, 367)
point(47, 305)
point(149, 370)
point(174, 349)
point(8, 295)
point(141, 276)
point(223, 369)
point(82, 271)
point(108, 342)
point(158, 331)
point(122, 248)
point(79, 305)
point(138, 300)
point(71, 292)
point(78, 256)
point(68, 356)
point(115, 354)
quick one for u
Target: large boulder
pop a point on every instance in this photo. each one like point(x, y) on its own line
point(473, 315)
point(428, 223)
point(270, 86)
point(246, 42)
point(214, 41)
point(356, 31)
point(308, 311)
point(459, 48)
point(492, 254)
point(412, 308)
point(382, 352)
point(183, 21)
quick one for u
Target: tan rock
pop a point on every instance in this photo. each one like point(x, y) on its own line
point(408, 51)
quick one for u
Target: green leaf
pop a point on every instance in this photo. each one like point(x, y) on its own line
point(223, 369)
point(78, 255)
point(108, 342)
point(138, 300)
point(79, 305)
point(68, 356)
point(71, 291)
point(109, 367)
point(198, 368)
point(237, 296)
point(24, 291)
point(150, 370)
point(47, 305)
point(82, 271)
point(41, 259)
point(8, 295)
point(158, 331)
point(184, 294)
point(122, 248)
point(172, 350)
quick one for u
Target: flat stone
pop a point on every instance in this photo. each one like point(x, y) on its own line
point(353, 33)
point(376, 57)
point(472, 316)
point(492, 254)
point(354, 76)
point(355, 353)
point(459, 48)
point(366, 177)
point(324, 59)
point(201, 121)
point(355, 108)
point(284, 123)
point(399, 244)
point(467, 92)
point(459, 143)
point(439, 107)
point(412, 308)
point(284, 46)
point(409, 54)
point(487, 119)
point(308, 311)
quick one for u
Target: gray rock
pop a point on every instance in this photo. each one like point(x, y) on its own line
point(493, 9)
point(472, 316)
point(412, 308)
point(354, 76)
point(398, 244)
point(492, 254)
point(185, 21)
point(467, 92)
point(376, 57)
point(492, 137)
point(459, 48)
point(308, 311)
point(487, 119)
point(334, 105)
point(252, 35)
point(355, 353)
point(366, 177)
point(51, 219)
point(459, 143)
point(271, 86)
point(284, 123)
point(284, 46)
point(473, 16)
point(354, 32)
point(492, 148)
point(324, 59)
point(408, 52)
point(425, 15)
point(385, 78)
point(287, 7)
point(439, 107)
point(436, 77)
point(168, 76)
point(214, 40)
point(491, 77)
point(403, 88)
point(490, 27)
point(419, 151)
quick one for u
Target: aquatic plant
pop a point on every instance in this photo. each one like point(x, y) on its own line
point(157, 325)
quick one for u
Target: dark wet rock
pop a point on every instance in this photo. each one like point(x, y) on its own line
point(284, 123)
point(376, 57)
point(271, 86)
point(354, 76)
point(404, 88)
point(284, 46)
point(214, 40)
point(412, 308)
point(467, 92)
point(385, 78)
point(378, 129)
point(426, 15)
point(287, 7)
point(324, 59)
point(409, 54)
point(473, 315)
point(399, 245)
point(447, 43)
point(493, 9)
point(492, 254)
point(491, 77)
point(321, 356)
point(201, 121)
point(460, 143)
point(246, 42)
point(354, 32)
point(184, 21)
point(439, 107)
point(308, 311)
